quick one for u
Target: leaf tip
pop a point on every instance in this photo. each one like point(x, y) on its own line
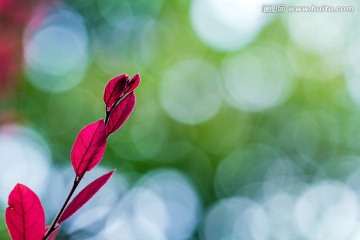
point(85, 195)
point(133, 83)
point(136, 76)
point(112, 172)
point(19, 185)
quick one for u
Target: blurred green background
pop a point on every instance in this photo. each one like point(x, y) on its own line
point(247, 123)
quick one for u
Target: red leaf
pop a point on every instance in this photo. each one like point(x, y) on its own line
point(25, 217)
point(120, 113)
point(85, 195)
point(133, 83)
point(89, 147)
point(114, 90)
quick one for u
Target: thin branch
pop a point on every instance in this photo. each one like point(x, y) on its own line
point(58, 215)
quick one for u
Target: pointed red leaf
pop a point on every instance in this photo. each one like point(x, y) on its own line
point(120, 113)
point(133, 83)
point(89, 147)
point(25, 217)
point(85, 195)
point(115, 89)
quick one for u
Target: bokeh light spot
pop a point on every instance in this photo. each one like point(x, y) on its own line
point(25, 158)
point(327, 210)
point(257, 80)
point(236, 218)
point(227, 24)
point(190, 92)
point(304, 28)
point(163, 205)
point(56, 54)
point(243, 167)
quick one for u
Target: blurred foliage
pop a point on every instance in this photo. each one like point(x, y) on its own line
point(315, 126)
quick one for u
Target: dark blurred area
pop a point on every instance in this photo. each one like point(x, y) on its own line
point(245, 127)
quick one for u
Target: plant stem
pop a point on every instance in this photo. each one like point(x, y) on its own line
point(58, 215)
point(107, 116)
point(108, 112)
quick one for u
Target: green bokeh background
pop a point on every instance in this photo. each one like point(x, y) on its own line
point(316, 128)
